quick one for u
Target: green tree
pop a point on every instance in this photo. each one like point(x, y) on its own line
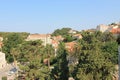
point(28, 48)
point(107, 37)
point(111, 50)
point(93, 65)
point(4, 78)
point(11, 41)
point(118, 39)
point(94, 61)
point(68, 38)
point(48, 53)
point(63, 31)
point(31, 60)
point(61, 71)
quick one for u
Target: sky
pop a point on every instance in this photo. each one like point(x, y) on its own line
point(45, 16)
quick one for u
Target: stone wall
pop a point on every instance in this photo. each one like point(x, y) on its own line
point(2, 60)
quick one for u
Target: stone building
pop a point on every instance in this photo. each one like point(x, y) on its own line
point(45, 38)
point(1, 42)
point(103, 28)
point(3, 62)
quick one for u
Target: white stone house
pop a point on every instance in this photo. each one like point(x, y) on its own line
point(103, 28)
point(3, 62)
point(45, 38)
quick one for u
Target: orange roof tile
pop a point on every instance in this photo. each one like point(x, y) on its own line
point(70, 46)
point(115, 31)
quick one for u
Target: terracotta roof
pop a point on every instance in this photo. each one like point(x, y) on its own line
point(58, 38)
point(115, 31)
point(55, 44)
point(38, 36)
point(70, 46)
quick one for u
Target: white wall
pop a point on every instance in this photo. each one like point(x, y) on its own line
point(2, 60)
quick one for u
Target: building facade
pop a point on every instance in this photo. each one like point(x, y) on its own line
point(103, 28)
point(1, 43)
point(3, 62)
point(45, 38)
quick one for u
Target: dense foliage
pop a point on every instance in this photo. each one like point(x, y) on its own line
point(11, 41)
point(96, 54)
point(63, 31)
point(61, 71)
point(97, 57)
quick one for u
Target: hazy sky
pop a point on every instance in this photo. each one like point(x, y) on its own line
point(44, 16)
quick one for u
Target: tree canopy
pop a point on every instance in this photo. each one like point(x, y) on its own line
point(63, 31)
point(95, 56)
point(11, 41)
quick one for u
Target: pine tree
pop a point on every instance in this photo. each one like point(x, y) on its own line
point(94, 63)
point(61, 71)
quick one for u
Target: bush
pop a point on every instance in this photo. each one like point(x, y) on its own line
point(4, 78)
